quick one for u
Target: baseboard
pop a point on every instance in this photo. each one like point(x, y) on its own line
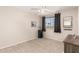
point(55, 39)
point(9, 45)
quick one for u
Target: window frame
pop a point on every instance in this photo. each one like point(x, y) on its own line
point(50, 26)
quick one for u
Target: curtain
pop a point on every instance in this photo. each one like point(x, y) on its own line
point(43, 24)
point(57, 25)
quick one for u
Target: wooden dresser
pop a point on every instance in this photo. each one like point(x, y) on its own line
point(71, 44)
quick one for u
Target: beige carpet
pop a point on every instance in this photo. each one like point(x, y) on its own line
point(36, 46)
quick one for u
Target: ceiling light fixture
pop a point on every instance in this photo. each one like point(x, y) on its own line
point(43, 10)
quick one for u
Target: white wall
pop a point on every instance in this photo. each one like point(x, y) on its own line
point(78, 20)
point(15, 26)
point(60, 37)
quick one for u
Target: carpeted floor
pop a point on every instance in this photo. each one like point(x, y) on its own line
point(36, 46)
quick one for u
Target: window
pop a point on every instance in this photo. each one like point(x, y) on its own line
point(49, 21)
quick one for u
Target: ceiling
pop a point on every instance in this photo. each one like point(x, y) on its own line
point(43, 10)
